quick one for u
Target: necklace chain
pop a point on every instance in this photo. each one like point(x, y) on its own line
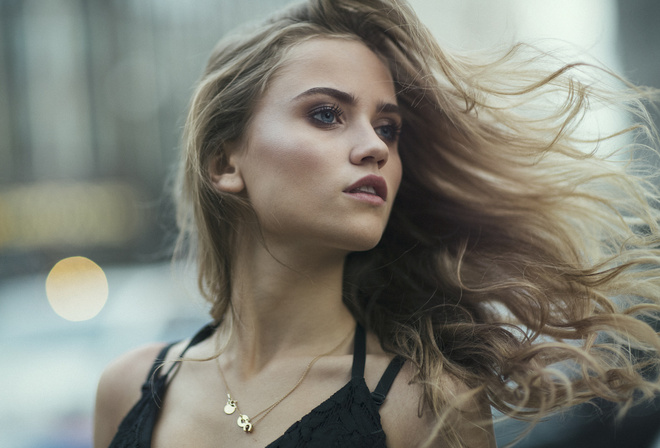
point(246, 423)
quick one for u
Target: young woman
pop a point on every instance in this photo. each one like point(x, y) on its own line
point(393, 240)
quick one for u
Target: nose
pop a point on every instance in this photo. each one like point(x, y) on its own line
point(369, 147)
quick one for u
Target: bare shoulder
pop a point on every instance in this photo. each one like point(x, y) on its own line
point(119, 389)
point(408, 423)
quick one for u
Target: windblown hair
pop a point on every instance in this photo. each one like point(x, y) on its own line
point(518, 258)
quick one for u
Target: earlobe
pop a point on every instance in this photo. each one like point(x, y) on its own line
point(225, 174)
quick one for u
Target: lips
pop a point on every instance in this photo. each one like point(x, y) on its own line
point(371, 184)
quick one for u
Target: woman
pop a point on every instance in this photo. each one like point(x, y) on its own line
point(393, 240)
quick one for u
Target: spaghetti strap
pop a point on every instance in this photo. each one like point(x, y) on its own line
point(359, 352)
point(201, 335)
point(359, 359)
point(160, 359)
point(349, 418)
point(387, 379)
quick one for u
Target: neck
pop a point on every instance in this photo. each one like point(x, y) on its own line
point(286, 303)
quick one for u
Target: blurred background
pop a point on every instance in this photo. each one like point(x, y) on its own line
point(93, 95)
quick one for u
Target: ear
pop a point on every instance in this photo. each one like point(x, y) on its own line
point(225, 173)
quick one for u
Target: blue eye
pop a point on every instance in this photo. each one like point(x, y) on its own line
point(326, 114)
point(389, 132)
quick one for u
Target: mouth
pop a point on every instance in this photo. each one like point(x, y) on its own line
point(370, 185)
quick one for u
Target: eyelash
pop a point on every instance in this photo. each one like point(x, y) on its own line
point(396, 128)
point(338, 112)
point(334, 108)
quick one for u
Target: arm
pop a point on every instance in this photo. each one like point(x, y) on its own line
point(119, 389)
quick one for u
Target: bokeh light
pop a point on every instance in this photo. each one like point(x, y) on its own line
point(77, 288)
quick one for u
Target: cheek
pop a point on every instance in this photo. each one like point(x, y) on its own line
point(395, 172)
point(284, 159)
point(283, 156)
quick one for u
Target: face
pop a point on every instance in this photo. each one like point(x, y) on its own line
point(319, 161)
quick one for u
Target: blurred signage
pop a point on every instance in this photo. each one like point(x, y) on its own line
point(51, 215)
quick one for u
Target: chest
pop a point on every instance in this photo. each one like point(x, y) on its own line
point(348, 418)
point(324, 405)
point(192, 412)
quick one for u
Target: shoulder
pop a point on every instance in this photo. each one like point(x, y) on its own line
point(409, 423)
point(119, 389)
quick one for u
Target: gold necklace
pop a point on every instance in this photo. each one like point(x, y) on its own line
point(246, 423)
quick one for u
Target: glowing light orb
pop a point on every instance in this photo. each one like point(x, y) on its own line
point(77, 288)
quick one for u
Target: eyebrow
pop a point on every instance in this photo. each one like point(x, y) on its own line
point(347, 98)
point(344, 97)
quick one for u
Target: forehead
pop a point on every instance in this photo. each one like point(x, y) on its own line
point(339, 63)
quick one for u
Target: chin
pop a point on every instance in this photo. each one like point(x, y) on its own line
point(363, 243)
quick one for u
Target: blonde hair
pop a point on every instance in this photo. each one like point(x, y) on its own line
point(517, 258)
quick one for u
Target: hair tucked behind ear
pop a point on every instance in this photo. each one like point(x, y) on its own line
point(518, 259)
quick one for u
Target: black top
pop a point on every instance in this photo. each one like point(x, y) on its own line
point(349, 418)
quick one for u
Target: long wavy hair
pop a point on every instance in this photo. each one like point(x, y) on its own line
point(521, 257)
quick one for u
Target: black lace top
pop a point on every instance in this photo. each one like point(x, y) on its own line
point(347, 419)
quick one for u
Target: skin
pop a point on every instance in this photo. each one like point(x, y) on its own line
point(328, 119)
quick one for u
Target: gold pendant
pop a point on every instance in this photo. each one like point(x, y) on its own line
point(230, 407)
point(244, 422)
